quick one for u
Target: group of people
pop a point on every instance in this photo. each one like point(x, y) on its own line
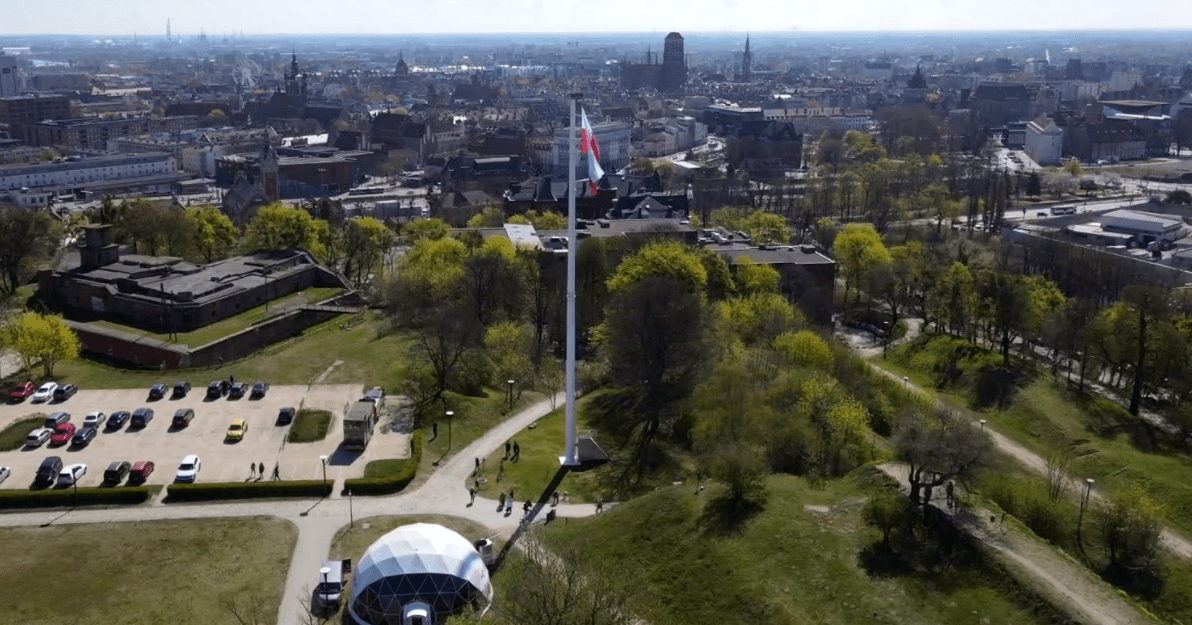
point(258, 471)
point(515, 449)
point(506, 503)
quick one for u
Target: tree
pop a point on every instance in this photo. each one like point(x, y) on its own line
point(1149, 306)
point(859, 249)
point(753, 278)
point(730, 436)
point(38, 338)
point(489, 217)
point(424, 229)
point(213, 232)
point(27, 237)
point(156, 229)
point(1073, 168)
point(665, 259)
point(1130, 531)
point(938, 446)
point(720, 278)
point(542, 294)
point(765, 228)
point(805, 349)
point(886, 513)
point(507, 345)
point(490, 277)
point(953, 299)
point(366, 241)
point(563, 587)
point(278, 227)
point(641, 166)
point(758, 318)
point(1034, 185)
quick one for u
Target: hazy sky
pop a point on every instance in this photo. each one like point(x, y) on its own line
point(148, 17)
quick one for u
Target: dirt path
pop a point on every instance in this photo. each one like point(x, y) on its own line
point(1068, 584)
point(326, 372)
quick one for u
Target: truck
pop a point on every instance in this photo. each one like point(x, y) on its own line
point(359, 424)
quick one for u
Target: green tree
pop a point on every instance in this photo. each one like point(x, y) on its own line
point(1129, 529)
point(214, 233)
point(508, 347)
point(758, 318)
point(27, 238)
point(805, 349)
point(490, 278)
point(278, 227)
point(641, 166)
point(549, 220)
point(489, 217)
point(366, 240)
point(952, 301)
point(859, 248)
point(1073, 168)
point(730, 417)
point(720, 278)
point(665, 259)
point(753, 278)
point(887, 513)
point(38, 338)
point(425, 229)
point(765, 228)
point(938, 447)
point(156, 229)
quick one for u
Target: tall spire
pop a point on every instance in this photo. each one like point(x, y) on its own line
point(746, 44)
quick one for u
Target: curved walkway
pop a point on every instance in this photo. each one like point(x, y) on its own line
point(318, 521)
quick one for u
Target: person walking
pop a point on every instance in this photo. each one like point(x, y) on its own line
point(477, 469)
point(509, 506)
point(554, 498)
point(276, 471)
point(434, 430)
point(472, 494)
point(252, 470)
point(526, 510)
point(951, 497)
point(501, 502)
point(261, 471)
point(516, 452)
point(600, 504)
point(506, 450)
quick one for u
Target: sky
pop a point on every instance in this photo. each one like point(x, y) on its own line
point(219, 17)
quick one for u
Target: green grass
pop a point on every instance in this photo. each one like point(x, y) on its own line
point(385, 468)
point(352, 542)
point(368, 354)
point(309, 425)
point(788, 565)
point(144, 572)
point(473, 417)
point(13, 436)
point(234, 324)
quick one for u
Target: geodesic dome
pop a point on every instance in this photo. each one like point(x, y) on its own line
point(419, 562)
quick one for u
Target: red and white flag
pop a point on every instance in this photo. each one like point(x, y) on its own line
point(592, 149)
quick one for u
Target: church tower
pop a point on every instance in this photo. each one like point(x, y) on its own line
point(402, 69)
point(747, 63)
point(295, 80)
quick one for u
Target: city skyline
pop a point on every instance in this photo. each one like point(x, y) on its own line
point(377, 17)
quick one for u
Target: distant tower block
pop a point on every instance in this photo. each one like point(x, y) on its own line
point(674, 65)
point(169, 37)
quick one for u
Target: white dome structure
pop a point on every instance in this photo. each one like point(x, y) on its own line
point(418, 564)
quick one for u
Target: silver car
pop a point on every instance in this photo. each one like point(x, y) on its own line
point(38, 437)
point(71, 474)
point(4, 473)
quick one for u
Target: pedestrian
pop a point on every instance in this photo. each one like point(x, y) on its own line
point(483, 461)
point(477, 469)
point(252, 470)
point(948, 490)
point(600, 504)
point(506, 450)
point(221, 361)
point(434, 430)
point(276, 471)
point(554, 498)
point(516, 452)
point(511, 494)
point(472, 494)
point(509, 506)
point(501, 502)
point(261, 470)
point(231, 379)
point(526, 510)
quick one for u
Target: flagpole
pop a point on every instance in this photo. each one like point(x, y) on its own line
point(570, 452)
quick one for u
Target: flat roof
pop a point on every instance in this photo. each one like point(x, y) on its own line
point(777, 255)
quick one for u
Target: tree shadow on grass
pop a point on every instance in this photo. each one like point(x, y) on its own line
point(727, 515)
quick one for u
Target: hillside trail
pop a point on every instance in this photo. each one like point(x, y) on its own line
point(861, 344)
point(1070, 585)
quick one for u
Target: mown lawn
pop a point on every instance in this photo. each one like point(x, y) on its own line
point(13, 436)
point(473, 417)
point(145, 572)
point(310, 425)
point(790, 564)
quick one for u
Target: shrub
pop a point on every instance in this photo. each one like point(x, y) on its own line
point(1029, 502)
point(390, 475)
point(248, 490)
point(310, 425)
point(63, 498)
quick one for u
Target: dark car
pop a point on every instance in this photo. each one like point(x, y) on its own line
point(217, 389)
point(116, 472)
point(237, 390)
point(117, 419)
point(141, 417)
point(286, 415)
point(56, 419)
point(259, 389)
point(183, 417)
point(157, 391)
point(22, 391)
point(65, 392)
point(83, 436)
point(140, 472)
point(48, 471)
point(181, 389)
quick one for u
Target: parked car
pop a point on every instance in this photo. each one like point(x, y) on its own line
point(83, 436)
point(188, 471)
point(94, 420)
point(141, 417)
point(115, 472)
point(38, 437)
point(181, 389)
point(376, 395)
point(182, 417)
point(71, 474)
point(65, 392)
point(259, 389)
point(140, 472)
point(237, 430)
point(45, 392)
point(62, 434)
point(22, 391)
point(118, 419)
point(286, 415)
point(217, 389)
point(157, 391)
point(237, 390)
point(48, 471)
point(56, 419)
point(1041, 214)
point(4, 473)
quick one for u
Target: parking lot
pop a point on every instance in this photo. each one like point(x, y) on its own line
point(222, 461)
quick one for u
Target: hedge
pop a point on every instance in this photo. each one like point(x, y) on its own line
point(247, 490)
point(402, 475)
point(68, 497)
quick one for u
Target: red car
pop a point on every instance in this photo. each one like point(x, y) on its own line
point(22, 391)
point(62, 434)
point(140, 472)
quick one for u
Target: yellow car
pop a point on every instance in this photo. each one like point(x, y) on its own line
point(237, 429)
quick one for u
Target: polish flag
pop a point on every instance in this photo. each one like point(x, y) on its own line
point(592, 149)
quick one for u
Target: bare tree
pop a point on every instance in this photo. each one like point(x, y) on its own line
point(1059, 467)
point(939, 446)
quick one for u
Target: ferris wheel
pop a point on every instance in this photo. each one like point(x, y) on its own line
point(246, 73)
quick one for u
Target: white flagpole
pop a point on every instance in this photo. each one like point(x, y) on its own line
point(570, 453)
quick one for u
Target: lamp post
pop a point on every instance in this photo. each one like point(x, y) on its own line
point(450, 413)
point(1088, 486)
point(906, 381)
point(324, 459)
point(351, 516)
point(511, 383)
point(982, 425)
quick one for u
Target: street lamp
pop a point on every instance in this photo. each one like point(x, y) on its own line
point(351, 516)
point(325, 571)
point(511, 383)
point(905, 382)
point(982, 425)
point(1088, 486)
point(324, 459)
point(450, 413)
